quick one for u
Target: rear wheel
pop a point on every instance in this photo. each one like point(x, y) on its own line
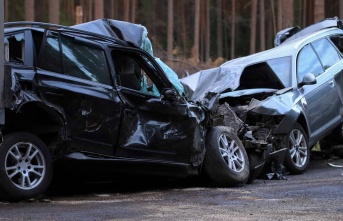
point(25, 167)
point(298, 158)
point(226, 161)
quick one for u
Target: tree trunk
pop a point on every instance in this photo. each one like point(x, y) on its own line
point(319, 10)
point(54, 11)
point(5, 10)
point(262, 27)
point(29, 10)
point(279, 15)
point(208, 32)
point(195, 51)
point(219, 29)
point(287, 14)
point(170, 30)
point(273, 16)
point(133, 10)
point(98, 9)
point(233, 28)
point(126, 10)
point(253, 26)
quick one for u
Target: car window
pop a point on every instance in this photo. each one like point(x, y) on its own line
point(81, 61)
point(308, 62)
point(132, 72)
point(50, 60)
point(326, 52)
point(282, 68)
point(84, 61)
point(16, 44)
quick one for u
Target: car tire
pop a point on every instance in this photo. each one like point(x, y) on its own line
point(335, 138)
point(226, 161)
point(298, 157)
point(25, 167)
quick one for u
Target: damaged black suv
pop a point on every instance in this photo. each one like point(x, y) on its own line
point(74, 96)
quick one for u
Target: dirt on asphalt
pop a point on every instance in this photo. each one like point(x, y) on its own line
point(315, 195)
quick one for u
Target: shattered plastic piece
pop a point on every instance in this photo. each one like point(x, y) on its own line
point(335, 165)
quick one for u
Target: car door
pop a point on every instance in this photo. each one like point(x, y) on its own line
point(157, 123)
point(321, 101)
point(73, 76)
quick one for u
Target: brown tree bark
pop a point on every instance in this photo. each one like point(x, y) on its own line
point(98, 9)
point(133, 11)
point(233, 28)
point(319, 10)
point(170, 29)
point(54, 11)
point(219, 29)
point(262, 27)
point(253, 26)
point(273, 17)
point(195, 50)
point(126, 10)
point(279, 16)
point(208, 31)
point(5, 10)
point(287, 13)
point(29, 10)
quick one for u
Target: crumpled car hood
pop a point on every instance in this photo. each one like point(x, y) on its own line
point(214, 80)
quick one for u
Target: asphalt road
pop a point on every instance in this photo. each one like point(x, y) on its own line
point(314, 195)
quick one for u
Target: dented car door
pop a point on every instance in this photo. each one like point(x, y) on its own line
point(73, 77)
point(157, 122)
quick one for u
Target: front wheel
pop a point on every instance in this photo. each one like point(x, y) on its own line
point(298, 158)
point(25, 167)
point(226, 161)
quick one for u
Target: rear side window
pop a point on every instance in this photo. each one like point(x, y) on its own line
point(75, 59)
point(16, 44)
point(326, 52)
point(84, 61)
point(308, 62)
point(51, 56)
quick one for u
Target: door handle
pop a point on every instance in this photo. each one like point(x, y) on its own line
point(331, 84)
point(53, 93)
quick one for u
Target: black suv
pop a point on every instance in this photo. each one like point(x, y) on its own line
point(82, 98)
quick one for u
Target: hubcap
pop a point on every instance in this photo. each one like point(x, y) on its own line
point(25, 165)
point(231, 153)
point(298, 147)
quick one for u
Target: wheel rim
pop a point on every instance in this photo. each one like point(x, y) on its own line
point(298, 148)
point(231, 153)
point(25, 165)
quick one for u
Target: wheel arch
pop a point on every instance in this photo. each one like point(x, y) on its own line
point(44, 121)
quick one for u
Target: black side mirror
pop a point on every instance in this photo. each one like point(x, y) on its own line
point(308, 79)
point(170, 95)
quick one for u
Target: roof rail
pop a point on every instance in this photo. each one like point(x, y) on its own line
point(63, 28)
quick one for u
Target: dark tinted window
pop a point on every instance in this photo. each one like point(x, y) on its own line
point(308, 62)
point(16, 44)
point(84, 61)
point(326, 52)
point(50, 60)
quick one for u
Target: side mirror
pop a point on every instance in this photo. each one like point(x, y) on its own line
point(170, 95)
point(308, 79)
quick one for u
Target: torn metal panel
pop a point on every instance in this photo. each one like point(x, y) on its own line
point(214, 80)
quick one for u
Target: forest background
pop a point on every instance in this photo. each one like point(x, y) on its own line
point(189, 35)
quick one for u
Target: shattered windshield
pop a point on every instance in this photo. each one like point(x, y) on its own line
point(282, 68)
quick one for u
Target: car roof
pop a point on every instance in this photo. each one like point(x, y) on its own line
point(286, 49)
point(39, 26)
